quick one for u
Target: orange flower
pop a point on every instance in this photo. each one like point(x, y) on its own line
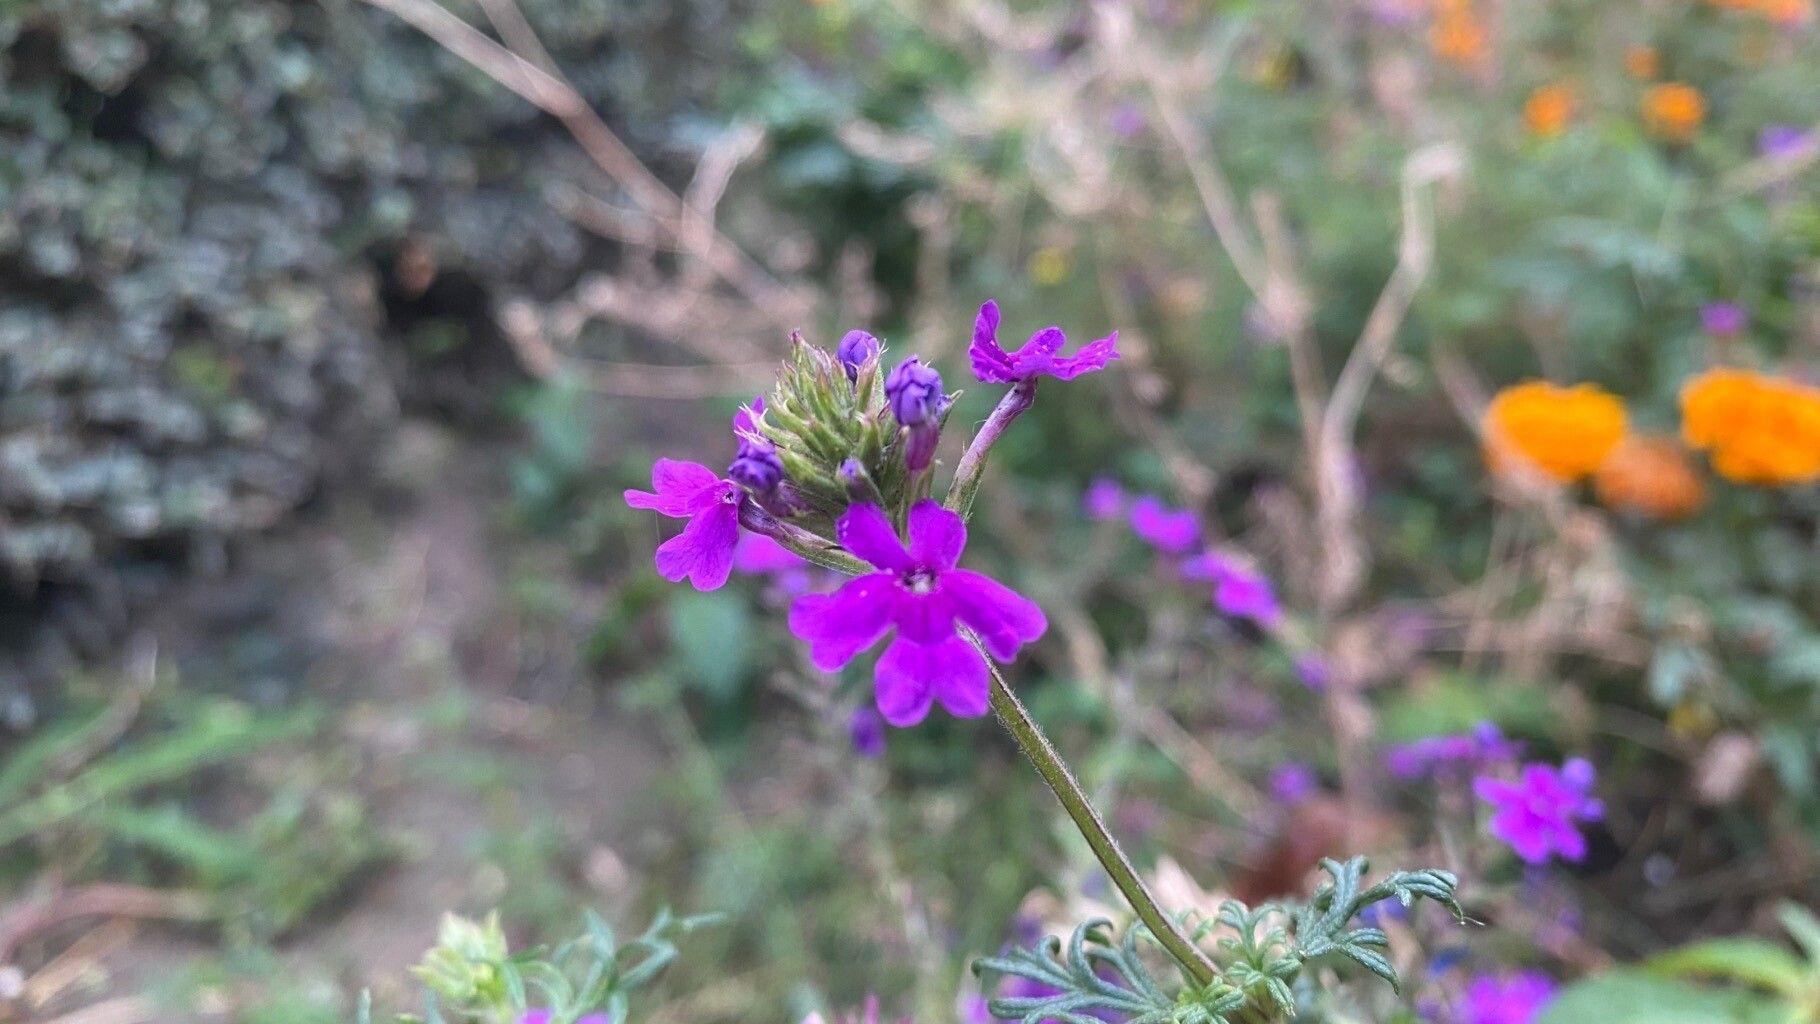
point(1650, 475)
point(1757, 429)
point(1457, 36)
point(1787, 12)
point(1550, 108)
point(1643, 62)
point(1673, 110)
point(1562, 433)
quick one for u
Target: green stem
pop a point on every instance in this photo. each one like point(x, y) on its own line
point(1049, 765)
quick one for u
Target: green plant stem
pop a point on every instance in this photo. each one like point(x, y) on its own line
point(972, 466)
point(1042, 754)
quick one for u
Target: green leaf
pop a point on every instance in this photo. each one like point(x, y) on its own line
point(1804, 927)
point(1749, 961)
point(1629, 997)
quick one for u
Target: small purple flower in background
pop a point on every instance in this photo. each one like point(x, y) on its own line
point(855, 348)
point(1126, 119)
point(1383, 912)
point(1293, 783)
point(1105, 500)
point(703, 552)
point(1516, 999)
point(1314, 672)
point(1536, 815)
point(759, 555)
point(867, 731)
point(920, 593)
point(1237, 591)
point(1169, 530)
point(1485, 745)
point(993, 365)
point(1781, 141)
point(1724, 318)
point(1027, 988)
point(546, 1016)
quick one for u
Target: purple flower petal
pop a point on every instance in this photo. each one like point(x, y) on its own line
point(838, 626)
point(745, 419)
point(680, 488)
point(867, 730)
point(1247, 595)
point(1095, 355)
point(1004, 619)
point(757, 554)
point(1105, 500)
point(991, 364)
point(703, 552)
point(937, 536)
point(1173, 531)
point(911, 674)
point(924, 618)
point(1038, 356)
point(865, 532)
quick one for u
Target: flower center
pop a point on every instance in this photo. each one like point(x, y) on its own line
point(919, 581)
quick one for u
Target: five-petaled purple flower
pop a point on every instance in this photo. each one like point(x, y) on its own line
point(1536, 815)
point(1169, 530)
point(920, 593)
point(1237, 591)
point(1037, 357)
point(1517, 999)
point(855, 348)
point(703, 552)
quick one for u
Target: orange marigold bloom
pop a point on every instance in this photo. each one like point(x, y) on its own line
point(1642, 61)
point(1650, 475)
point(1563, 433)
point(1458, 36)
point(1757, 429)
point(1550, 108)
point(1673, 110)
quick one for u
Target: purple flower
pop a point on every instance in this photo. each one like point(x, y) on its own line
point(922, 595)
point(1781, 141)
point(1105, 500)
point(1016, 987)
point(1536, 814)
point(993, 365)
point(1237, 591)
point(1314, 672)
point(914, 392)
point(1126, 119)
point(546, 1016)
point(856, 348)
point(1173, 531)
point(867, 731)
point(758, 555)
point(703, 552)
point(1293, 783)
point(1723, 318)
point(1484, 745)
point(1516, 999)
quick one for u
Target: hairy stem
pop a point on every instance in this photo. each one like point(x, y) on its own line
point(1049, 765)
point(973, 462)
point(799, 540)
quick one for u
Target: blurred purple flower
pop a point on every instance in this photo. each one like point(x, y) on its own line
point(1105, 500)
point(1724, 318)
point(1383, 912)
point(1237, 591)
point(545, 1016)
point(1484, 745)
point(1293, 783)
point(867, 730)
point(1172, 531)
point(923, 595)
point(1314, 672)
point(1781, 141)
point(1037, 357)
point(1515, 999)
point(1536, 815)
point(703, 552)
point(759, 555)
point(1126, 119)
point(1026, 988)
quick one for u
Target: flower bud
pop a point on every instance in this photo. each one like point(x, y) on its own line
point(914, 393)
point(856, 348)
point(757, 467)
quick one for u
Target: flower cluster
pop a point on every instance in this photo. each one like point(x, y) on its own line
point(1757, 429)
point(1536, 815)
point(829, 468)
point(1239, 591)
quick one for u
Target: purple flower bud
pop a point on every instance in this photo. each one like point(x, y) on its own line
point(1781, 141)
point(867, 730)
point(757, 466)
point(854, 350)
point(1724, 318)
point(914, 392)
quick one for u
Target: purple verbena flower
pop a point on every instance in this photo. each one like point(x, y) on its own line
point(921, 594)
point(703, 552)
point(867, 731)
point(1515, 999)
point(1536, 815)
point(1781, 141)
point(1485, 745)
point(1237, 591)
point(993, 365)
point(854, 350)
point(1724, 318)
point(1314, 672)
point(1169, 530)
point(1293, 783)
point(1105, 500)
